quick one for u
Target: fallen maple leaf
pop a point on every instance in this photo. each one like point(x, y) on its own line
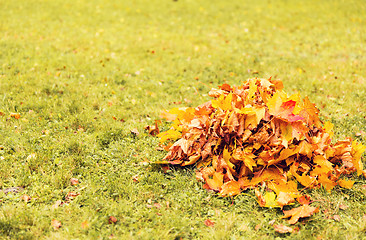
point(282, 228)
point(299, 212)
point(209, 223)
point(55, 224)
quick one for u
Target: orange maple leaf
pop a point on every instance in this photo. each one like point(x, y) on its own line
point(299, 212)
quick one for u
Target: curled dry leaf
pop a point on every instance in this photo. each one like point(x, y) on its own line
point(343, 206)
point(112, 219)
point(304, 200)
point(152, 129)
point(135, 131)
point(15, 115)
point(55, 224)
point(26, 198)
point(282, 228)
point(260, 198)
point(74, 181)
point(337, 218)
point(209, 223)
point(71, 195)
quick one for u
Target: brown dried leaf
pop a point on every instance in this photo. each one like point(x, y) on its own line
point(26, 198)
point(74, 181)
point(112, 219)
point(55, 224)
point(209, 223)
point(135, 131)
point(282, 228)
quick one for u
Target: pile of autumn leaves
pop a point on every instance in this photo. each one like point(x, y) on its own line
point(255, 135)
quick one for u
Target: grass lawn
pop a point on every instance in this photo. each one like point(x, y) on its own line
point(83, 73)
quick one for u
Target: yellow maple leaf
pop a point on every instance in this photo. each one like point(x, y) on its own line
point(171, 134)
point(223, 102)
point(216, 181)
point(326, 182)
point(345, 183)
point(275, 102)
point(356, 152)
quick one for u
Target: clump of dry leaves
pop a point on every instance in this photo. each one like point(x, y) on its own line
point(256, 134)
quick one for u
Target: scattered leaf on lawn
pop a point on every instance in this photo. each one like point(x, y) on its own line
point(112, 219)
point(74, 181)
point(55, 224)
point(299, 212)
point(337, 218)
point(282, 228)
point(209, 223)
point(135, 132)
point(258, 226)
point(15, 115)
point(343, 206)
point(57, 204)
point(85, 225)
point(26, 198)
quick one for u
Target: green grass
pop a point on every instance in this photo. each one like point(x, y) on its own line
point(69, 67)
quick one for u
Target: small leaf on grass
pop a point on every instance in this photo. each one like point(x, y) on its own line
point(57, 204)
point(258, 226)
point(209, 223)
point(55, 224)
point(74, 181)
point(135, 131)
point(85, 225)
point(15, 115)
point(342, 206)
point(26, 198)
point(112, 219)
point(337, 218)
point(282, 228)
point(299, 212)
